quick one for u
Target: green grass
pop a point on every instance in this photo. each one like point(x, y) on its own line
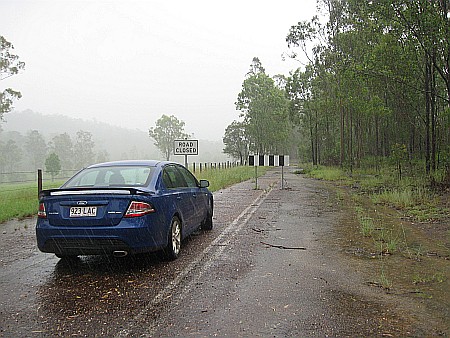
point(438, 277)
point(222, 178)
point(385, 282)
point(367, 226)
point(328, 173)
point(401, 197)
point(20, 200)
point(412, 194)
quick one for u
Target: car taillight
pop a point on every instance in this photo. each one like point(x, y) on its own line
point(41, 211)
point(137, 209)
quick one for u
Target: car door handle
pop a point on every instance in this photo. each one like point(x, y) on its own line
point(178, 197)
point(194, 195)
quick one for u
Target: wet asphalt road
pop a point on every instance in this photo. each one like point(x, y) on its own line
point(267, 268)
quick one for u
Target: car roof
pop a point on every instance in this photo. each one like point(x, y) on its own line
point(148, 163)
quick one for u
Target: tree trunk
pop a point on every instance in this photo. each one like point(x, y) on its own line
point(427, 113)
point(342, 135)
point(311, 132)
point(433, 113)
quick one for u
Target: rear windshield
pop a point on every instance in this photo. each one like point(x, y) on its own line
point(131, 176)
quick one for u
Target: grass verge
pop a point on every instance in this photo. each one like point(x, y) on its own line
point(20, 200)
point(223, 178)
point(399, 231)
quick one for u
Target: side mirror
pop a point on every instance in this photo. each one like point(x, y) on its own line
point(204, 183)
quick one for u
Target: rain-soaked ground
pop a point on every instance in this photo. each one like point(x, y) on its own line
point(274, 265)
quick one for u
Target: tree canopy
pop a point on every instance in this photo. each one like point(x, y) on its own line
point(235, 141)
point(9, 66)
point(376, 81)
point(83, 149)
point(378, 78)
point(167, 129)
point(263, 107)
point(53, 165)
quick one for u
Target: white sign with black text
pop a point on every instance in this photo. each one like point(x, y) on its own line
point(185, 147)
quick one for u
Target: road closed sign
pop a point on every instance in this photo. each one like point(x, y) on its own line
point(185, 147)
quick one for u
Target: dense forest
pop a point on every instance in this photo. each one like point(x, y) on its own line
point(376, 86)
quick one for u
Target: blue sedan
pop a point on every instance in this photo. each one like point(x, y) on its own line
point(123, 207)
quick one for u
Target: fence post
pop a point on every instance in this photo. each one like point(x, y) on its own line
point(193, 166)
point(39, 178)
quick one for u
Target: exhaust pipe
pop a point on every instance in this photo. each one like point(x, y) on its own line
point(120, 253)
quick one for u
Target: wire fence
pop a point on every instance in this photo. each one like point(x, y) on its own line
point(24, 180)
point(201, 166)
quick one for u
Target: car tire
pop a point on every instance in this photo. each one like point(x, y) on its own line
point(173, 247)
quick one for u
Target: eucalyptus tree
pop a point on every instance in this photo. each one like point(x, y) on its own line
point(300, 94)
point(9, 66)
point(53, 165)
point(83, 149)
point(167, 129)
point(379, 71)
point(235, 141)
point(36, 147)
point(62, 146)
point(264, 109)
point(325, 71)
point(418, 72)
point(11, 155)
point(425, 25)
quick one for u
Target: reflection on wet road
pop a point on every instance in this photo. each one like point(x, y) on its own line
point(102, 296)
point(270, 267)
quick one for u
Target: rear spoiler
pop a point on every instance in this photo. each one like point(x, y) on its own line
point(94, 191)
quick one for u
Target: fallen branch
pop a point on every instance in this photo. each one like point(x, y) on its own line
point(283, 247)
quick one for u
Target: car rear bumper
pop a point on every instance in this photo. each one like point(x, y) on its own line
point(126, 237)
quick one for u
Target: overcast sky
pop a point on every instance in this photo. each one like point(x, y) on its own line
point(129, 62)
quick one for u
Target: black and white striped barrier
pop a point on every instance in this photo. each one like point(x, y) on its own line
point(268, 161)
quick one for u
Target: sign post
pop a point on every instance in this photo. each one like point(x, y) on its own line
point(185, 147)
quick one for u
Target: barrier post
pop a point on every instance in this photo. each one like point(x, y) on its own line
point(39, 179)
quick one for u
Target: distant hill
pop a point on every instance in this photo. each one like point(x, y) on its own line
point(120, 143)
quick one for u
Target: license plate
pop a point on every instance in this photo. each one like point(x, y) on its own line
point(83, 211)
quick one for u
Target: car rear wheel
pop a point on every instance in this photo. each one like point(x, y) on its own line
point(174, 243)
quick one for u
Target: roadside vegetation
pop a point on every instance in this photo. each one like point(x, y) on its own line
point(417, 196)
point(21, 199)
point(398, 227)
point(222, 178)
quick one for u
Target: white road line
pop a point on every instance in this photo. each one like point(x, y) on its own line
point(218, 244)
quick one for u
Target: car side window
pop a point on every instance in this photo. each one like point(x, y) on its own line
point(172, 178)
point(191, 181)
point(167, 180)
